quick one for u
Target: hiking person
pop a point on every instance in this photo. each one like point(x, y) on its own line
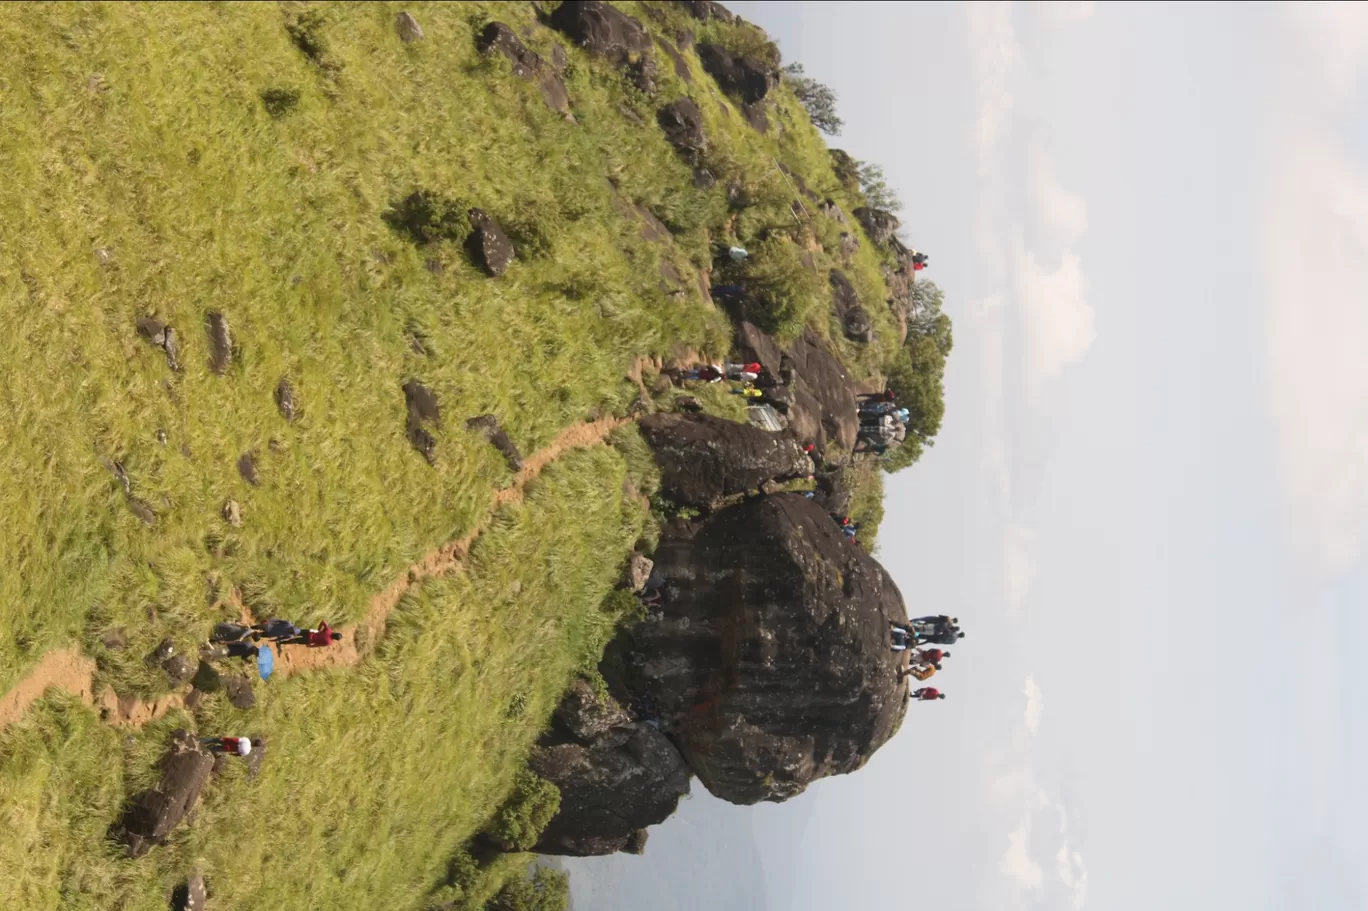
point(738, 254)
point(926, 694)
point(241, 649)
point(233, 746)
point(316, 638)
point(943, 637)
point(708, 373)
point(924, 671)
point(901, 640)
point(275, 629)
point(884, 396)
point(849, 531)
point(930, 656)
point(905, 628)
point(229, 632)
point(745, 372)
point(747, 391)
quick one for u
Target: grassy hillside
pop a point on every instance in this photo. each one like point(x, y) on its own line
point(177, 160)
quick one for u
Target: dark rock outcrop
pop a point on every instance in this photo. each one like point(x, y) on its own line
point(162, 336)
point(151, 816)
point(881, 226)
point(601, 29)
point(681, 66)
point(703, 10)
point(247, 467)
point(526, 63)
point(770, 665)
point(682, 122)
point(423, 410)
point(190, 895)
point(488, 246)
point(704, 459)
point(616, 777)
point(220, 342)
point(285, 400)
point(487, 425)
point(820, 396)
point(747, 79)
point(845, 300)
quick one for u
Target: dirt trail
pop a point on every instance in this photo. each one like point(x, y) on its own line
point(69, 670)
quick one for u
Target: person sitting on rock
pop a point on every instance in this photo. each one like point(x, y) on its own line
point(747, 391)
point(746, 372)
point(316, 638)
point(708, 373)
point(901, 640)
point(924, 671)
point(926, 694)
point(233, 746)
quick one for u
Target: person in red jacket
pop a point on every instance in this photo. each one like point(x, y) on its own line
point(316, 638)
point(926, 694)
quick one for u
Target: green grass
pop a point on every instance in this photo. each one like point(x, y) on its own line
point(181, 159)
point(375, 776)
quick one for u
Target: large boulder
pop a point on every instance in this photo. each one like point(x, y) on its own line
point(703, 10)
point(682, 122)
point(616, 777)
point(845, 300)
point(601, 29)
point(747, 79)
point(770, 664)
point(496, 37)
point(824, 412)
point(705, 459)
point(881, 226)
point(151, 816)
point(487, 245)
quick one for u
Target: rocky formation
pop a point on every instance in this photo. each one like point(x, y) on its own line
point(190, 895)
point(816, 395)
point(748, 80)
point(770, 665)
point(703, 10)
point(682, 122)
point(423, 410)
point(881, 226)
point(616, 777)
point(152, 815)
point(220, 342)
point(526, 63)
point(601, 29)
point(408, 28)
point(487, 425)
point(488, 246)
point(163, 337)
point(845, 300)
point(704, 459)
point(285, 400)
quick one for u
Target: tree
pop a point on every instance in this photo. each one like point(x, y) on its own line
point(924, 316)
point(547, 890)
point(818, 99)
point(917, 378)
point(528, 810)
point(875, 187)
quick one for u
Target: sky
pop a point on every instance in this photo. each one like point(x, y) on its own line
point(1147, 501)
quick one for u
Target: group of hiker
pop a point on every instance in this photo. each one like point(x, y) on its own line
point(923, 663)
point(883, 425)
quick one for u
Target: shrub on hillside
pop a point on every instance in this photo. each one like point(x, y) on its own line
point(917, 378)
point(428, 217)
point(547, 890)
point(528, 810)
point(279, 102)
point(781, 291)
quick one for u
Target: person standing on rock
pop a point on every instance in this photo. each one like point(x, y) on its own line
point(901, 640)
point(884, 396)
point(926, 694)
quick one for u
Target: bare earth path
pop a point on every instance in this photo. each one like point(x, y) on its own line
point(70, 670)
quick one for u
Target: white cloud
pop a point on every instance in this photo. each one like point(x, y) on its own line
point(1073, 874)
point(995, 52)
point(1034, 707)
point(1066, 11)
point(1315, 279)
point(1018, 565)
point(1063, 216)
point(1017, 863)
point(1056, 319)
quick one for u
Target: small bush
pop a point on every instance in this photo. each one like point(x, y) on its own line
point(306, 31)
point(428, 217)
point(819, 100)
point(547, 890)
point(780, 290)
point(279, 102)
point(528, 810)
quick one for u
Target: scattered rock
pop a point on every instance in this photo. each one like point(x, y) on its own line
point(559, 59)
point(601, 29)
point(681, 66)
point(704, 179)
point(179, 669)
point(638, 571)
point(745, 78)
point(833, 211)
point(239, 692)
point(164, 651)
point(154, 330)
point(849, 244)
point(207, 678)
point(172, 348)
point(652, 228)
point(105, 257)
point(703, 10)
point(220, 342)
point(488, 426)
point(770, 665)
point(496, 36)
point(191, 894)
point(488, 246)
point(285, 400)
point(120, 475)
point(846, 301)
point(115, 639)
point(880, 226)
point(682, 122)
point(161, 436)
point(408, 28)
point(141, 510)
point(643, 73)
point(232, 513)
point(615, 776)
point(246, 466)
point(422, 403)
point(424, 442)
point(755, 115)
point(688, 404)
point(150, 817)
point(704, 459)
